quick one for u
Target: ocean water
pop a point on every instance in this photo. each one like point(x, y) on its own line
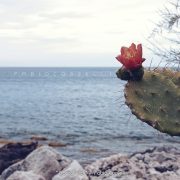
point(81, 107)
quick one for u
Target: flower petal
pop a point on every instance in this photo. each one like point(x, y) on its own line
point(123, 50)
point(139, 49)
point(133, 47)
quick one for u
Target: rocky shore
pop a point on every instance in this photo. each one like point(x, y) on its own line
point(45, 163)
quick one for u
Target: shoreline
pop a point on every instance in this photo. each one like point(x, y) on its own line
point(87, 153)
point(154, 163)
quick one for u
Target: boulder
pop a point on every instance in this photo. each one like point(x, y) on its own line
point(161, 163)
point(22, 175)
point(102, 165)
point(38, 138)
point(14, 152)
point(44, 161)
point(73, 172)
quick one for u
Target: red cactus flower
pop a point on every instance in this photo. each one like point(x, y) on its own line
point(131, 57)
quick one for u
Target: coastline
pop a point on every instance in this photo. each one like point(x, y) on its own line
point(45, 163)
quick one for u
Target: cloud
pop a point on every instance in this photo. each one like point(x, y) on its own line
point(73, 26)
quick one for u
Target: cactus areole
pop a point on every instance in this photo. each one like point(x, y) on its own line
point(131, 59)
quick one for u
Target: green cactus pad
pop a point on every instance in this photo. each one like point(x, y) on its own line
point(172, 75)
point(156, 100)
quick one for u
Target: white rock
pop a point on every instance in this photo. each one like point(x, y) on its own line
point(73, 172)
point(22, 175)
point(103, 163)
point(44, 161)
point(111, 178)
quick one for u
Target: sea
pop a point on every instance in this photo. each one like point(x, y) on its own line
point(83, 108)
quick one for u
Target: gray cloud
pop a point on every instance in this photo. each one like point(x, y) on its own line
point(34, 29)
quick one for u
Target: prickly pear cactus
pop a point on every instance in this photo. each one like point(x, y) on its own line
point(172, 75)
point(152, 95)
point(156, 100)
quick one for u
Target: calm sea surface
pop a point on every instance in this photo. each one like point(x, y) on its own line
point(81, 107)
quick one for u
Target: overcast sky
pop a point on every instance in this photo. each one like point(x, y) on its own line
point(73, 32)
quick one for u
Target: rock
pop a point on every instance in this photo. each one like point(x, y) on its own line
point(73, 172)
point(44, 161)
point(89, 150)
point(164, 176)
point(57, 144)
point(111, 178)
point(104, 164)
point(157, 163)
point(38, 138)
point(14, 152)
point(163, 169)
point(21, 175)
point(6, 141)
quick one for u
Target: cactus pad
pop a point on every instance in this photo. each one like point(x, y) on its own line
point(172, 75)
point(156, 100)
